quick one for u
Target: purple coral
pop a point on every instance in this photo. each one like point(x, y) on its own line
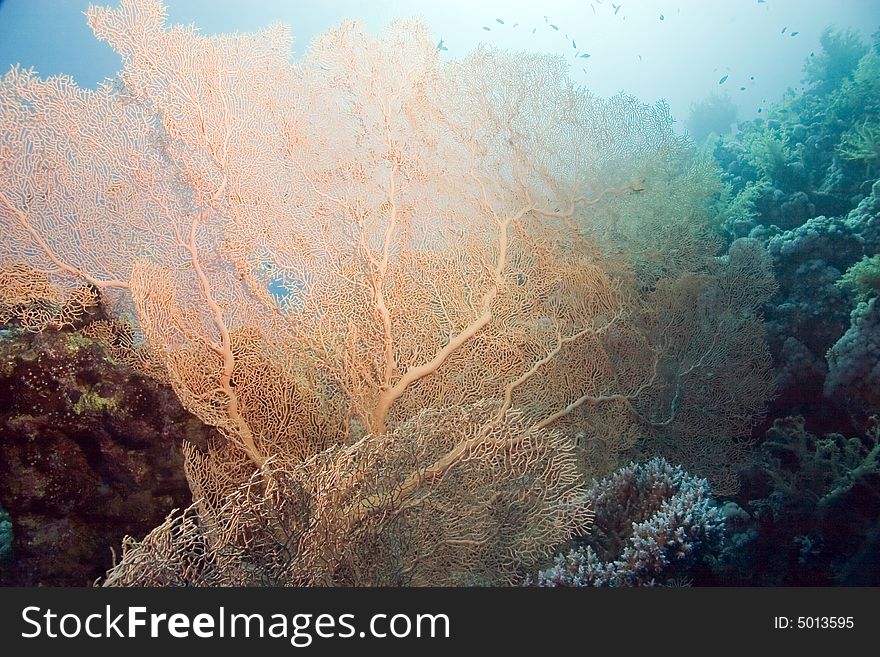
point(649, 518)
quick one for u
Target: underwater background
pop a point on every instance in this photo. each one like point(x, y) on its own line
point(558, 294)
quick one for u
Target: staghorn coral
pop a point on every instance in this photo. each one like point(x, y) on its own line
point(651, 520)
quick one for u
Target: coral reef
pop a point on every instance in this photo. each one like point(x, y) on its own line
point(326, 266)
point(814, 153)
point(416, 344)
point(802, 181)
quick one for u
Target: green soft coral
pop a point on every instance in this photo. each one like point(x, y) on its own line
point(863, 278)
point(819, 471)
point(862, 143)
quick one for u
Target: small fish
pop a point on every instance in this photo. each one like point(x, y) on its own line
point(752, 78)
point(586, 55)
point(661, 17)
point(616, 8)
point(723, 79)
point(533, 31)
point(498, 20)
point(640, 58)
point(742, 88)
point(574, 45)
point(759, 110)
point(553, 26)
point(760, 2)
point(795, 33)
point(784, 29)
point(440, 46)
point(488, 29)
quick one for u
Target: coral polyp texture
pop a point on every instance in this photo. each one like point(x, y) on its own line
point(331, 259)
